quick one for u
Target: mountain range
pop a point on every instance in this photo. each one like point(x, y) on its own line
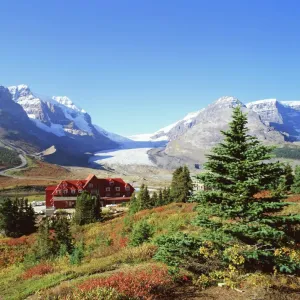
point(33, 123)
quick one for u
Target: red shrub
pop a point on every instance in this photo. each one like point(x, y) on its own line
point(142, 284)
point(123, 242)
point(13, 250)
point(38, 270)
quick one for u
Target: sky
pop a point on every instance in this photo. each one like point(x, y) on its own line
point(137, 66)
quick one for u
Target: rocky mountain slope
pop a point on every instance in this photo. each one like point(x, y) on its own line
point(190, 143)
point(61, 117)
point(33, 123)
point(284, 116)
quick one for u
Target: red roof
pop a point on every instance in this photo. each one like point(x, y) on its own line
point(51, 187)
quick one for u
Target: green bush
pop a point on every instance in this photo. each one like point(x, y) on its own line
point(141, 232)
point(175, 248)
point(77, 254)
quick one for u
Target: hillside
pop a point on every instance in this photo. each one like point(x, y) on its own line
point(9, 158)
point(107, 254)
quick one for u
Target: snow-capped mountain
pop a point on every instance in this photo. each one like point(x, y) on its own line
point(169, 132)
point(175, 130)
point(284, 116)
point(58, 115)
point(203, 131)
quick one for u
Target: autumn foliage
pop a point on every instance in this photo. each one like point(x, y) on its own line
point(38, 270)
point(142, 284)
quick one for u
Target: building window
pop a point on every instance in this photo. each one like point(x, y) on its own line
point(118, 189)
point(118, 194)
point(65, 191)
point(79, 190)
point(73, 192)
point(107, 195)
point(90, 185)
point(127, 188)
point(107, 189)
point(111, 182)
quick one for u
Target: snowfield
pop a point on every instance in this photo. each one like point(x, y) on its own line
point(137, 156)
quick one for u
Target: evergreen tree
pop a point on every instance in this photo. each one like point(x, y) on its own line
point(160, 198)
point(286, 180)
point(54, 234)
point(17, 217)
point(63, 237)
point(182, 185)
point(296, 185)
point(45, 240)
point(230, 211)
point(135, 204)
point(8, 215)
point(26, 217)
point(144, 198)
point(87, 209)
point(154, 199)
point(166, 196)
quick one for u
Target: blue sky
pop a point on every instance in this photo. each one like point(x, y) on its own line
point(137, 66)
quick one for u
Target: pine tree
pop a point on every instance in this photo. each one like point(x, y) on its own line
point(17, 217)
point(166, 196)
point(160, 198)
point(154, 199)
point(296, 185)
point(26, 217)
point(135, 204)
point(44, 246)
point(144, 197)
point(8, 215)
point(182, 185)
point(63, 237)
point(87, 209)
point(231, 212)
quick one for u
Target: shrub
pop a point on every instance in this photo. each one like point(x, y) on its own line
point(77, 254)
point(141, 233)
point(137, 254)
point(38, 270)
point(95, 294)
point(141, 284)
point(174, 248)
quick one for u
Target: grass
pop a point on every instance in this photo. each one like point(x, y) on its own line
point(106, 252)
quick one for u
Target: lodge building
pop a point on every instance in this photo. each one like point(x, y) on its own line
point(107, 190)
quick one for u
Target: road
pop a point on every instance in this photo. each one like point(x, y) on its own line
point(22, 165)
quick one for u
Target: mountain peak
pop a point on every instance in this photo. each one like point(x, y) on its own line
point(20, 90)
point(66, 101)
point(228, 101)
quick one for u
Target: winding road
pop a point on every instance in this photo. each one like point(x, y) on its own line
point(22, 165)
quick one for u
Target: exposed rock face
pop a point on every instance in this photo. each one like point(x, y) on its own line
point(284, 116)
point(205, 133)
point(60, 117)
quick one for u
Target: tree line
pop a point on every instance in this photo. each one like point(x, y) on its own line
point(180, 191)
point(9, 157)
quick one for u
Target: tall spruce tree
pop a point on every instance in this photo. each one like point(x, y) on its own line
point(160, 198)
point(154, 199)
point(63, 236)
point(231, 211)
point(87, 209)
point(166, 196)
point(135, 204)
point(144, 198)
point(296, 184)
point(54, 234)
point(17, 217)
point(182, 185)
